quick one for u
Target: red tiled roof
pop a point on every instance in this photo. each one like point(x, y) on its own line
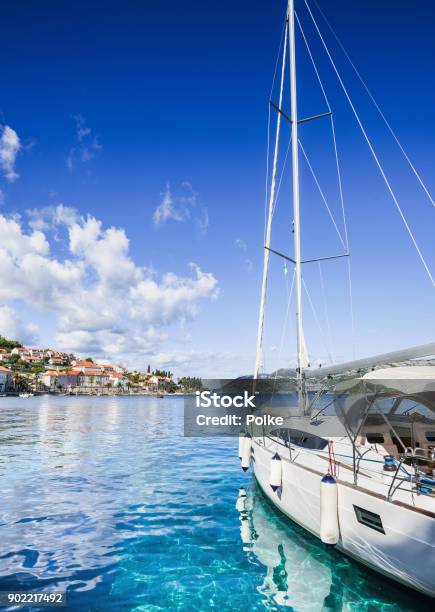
point(3, 369)
point(89, 364)
point(95, 372)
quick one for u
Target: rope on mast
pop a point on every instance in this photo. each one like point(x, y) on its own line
point(370, 145)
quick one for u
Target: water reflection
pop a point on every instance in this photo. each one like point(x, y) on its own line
point(106, 498)
point(300, 573)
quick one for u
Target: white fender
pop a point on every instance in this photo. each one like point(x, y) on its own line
point(329, 527)
point(275, 477)
point(245, 531)
point(241, 500)
point(241, 438)
point(246, 451)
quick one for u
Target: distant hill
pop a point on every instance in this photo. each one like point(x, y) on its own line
point(9, 344)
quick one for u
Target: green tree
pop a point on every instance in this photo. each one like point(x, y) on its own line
point(21, 383)
point(89, 359)
point(9, 344)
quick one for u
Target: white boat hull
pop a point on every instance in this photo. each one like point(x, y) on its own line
point(405, 552)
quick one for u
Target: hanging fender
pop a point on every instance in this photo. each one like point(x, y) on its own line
point(275, 478)
point(246, 451)
point(329, 526)
point(241, 442)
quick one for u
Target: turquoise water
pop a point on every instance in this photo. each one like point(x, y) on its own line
point(106, 499)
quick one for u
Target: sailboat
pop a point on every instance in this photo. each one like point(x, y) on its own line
point(368, 488)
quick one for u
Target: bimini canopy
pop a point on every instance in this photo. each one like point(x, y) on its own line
point(392, 390)
point(408, 380)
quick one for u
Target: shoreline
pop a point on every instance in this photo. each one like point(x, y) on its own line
point(98, 394)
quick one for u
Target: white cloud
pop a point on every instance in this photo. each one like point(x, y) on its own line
point(49, 217)
point(240, 244)
point(205, 363)
point(166, 209)
point(87, 146)
point(12, 327)
point(9, 147)
point(182, 207)
point(248, 265)
point(101, 301)
point(203, 221)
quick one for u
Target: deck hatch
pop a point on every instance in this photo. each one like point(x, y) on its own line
point(368, 518)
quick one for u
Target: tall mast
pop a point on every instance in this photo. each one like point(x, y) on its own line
point(296, 216)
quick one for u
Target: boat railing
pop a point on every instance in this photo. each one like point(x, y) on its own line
point(422, 479)
point(261, 432)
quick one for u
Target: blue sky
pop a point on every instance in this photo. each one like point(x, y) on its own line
point(124, 108)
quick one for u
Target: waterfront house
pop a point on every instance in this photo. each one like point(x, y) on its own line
point(86, 366)
point(118, 380)
point(55, 380)
point(57, 361)
point(32, 359)
point(49, 379)
point(5, 379)
point(93, 378)
point(21, 351)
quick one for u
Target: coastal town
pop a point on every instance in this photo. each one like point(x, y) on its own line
point(45, 370)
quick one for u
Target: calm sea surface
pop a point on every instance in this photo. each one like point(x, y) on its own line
point(105, 498)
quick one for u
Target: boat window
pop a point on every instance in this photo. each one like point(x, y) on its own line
point(430, 436)
point(368, 518)
point(375, 438)
point(300, 438)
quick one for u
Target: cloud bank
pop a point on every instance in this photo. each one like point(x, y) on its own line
point(101, 301)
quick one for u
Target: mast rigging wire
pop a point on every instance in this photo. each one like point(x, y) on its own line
point(316, 318)
point(322, 195)
point(325, 308)
point(369, 144)
point(268, 232)
point(369, 93)
point(266, 193)
point(340, 187)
